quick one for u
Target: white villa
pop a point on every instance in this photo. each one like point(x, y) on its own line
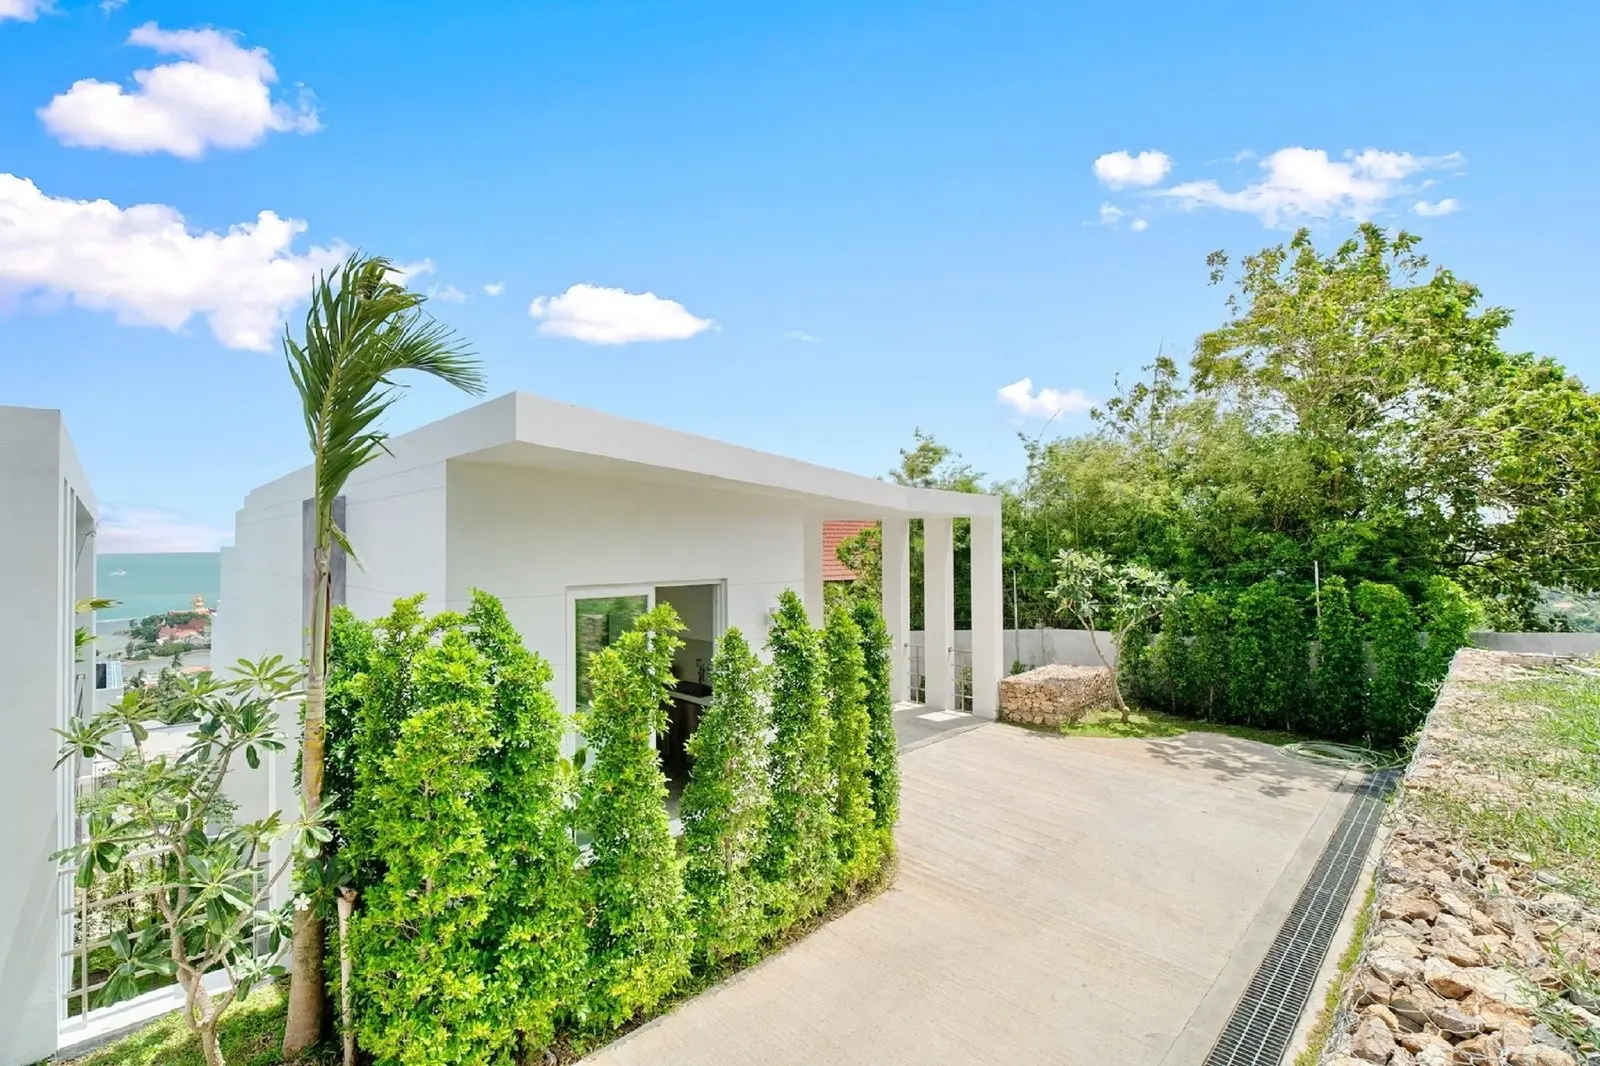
point(578, 520)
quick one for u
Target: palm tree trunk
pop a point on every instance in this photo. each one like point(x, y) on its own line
point(303, 1025)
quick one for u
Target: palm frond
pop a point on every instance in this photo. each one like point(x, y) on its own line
point(362, 331)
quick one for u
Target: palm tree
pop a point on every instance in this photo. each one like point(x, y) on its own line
point(363, 328)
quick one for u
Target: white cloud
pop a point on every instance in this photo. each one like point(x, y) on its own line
point(146, 266)
point(1110, 214)
point(24, 10)
point(495, 288)
point(155, 529)
point(802, 336)
point(1120, 169)
point(1139, 225)
point(405, 273)
point(449, 294)
point(1045, 403)
point(1303, 183)
point(218, 95)
point(1448, 206)
point(598, 315)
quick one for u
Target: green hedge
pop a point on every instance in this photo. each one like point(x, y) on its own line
point(480, 934)
point(726, 805)
point(1247, 658)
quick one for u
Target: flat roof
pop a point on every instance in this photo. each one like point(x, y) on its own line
point(522, 429)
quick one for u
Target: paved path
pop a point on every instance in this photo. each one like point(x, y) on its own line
point(1060, 900)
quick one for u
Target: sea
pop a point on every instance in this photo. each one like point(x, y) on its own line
point(156, 582)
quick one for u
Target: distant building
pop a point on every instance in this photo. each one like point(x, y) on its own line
point(835, 533)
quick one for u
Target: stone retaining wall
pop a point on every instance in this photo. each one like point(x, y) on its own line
point(1471, 952)
point(1053, 695)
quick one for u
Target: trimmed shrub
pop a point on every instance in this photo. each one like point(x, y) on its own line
point(1341, 674)
point(1269, 666)
point(1394, 709)
point(1190, 659)
point(725, 806)
point(535, 928)
point(639, 935)
point(1448, 616)
point(418, 967)
point(800, 861)
point(351, 647)
point(855, 840)
point(883, 747)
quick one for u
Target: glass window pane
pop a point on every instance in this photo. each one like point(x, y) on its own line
point(600, 621)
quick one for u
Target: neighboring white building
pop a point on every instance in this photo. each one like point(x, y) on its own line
point(47, 517)
point(575, 519)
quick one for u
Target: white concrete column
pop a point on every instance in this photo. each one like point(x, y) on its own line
point(939, 611)
point(988, 614)
point(897, 603)
point(811, 594)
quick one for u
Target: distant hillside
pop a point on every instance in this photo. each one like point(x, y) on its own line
point(1578, 612)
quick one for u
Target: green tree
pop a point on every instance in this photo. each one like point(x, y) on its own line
point(1105, 597)
point(726, 805)
point(1394, 704)
point(419, 971)
point(535, 927)
point(1341, 673)
point(639, 935)
point(362, 331)
point(855, 839)
point(883, 747)
point(862, 553)
point(800, 863)
point(212, 899)
point(1270, 657)
point(1448, 616)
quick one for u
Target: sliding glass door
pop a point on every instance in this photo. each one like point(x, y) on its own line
point(599, 617)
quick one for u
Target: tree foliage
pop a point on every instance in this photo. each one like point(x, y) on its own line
point(1394, 694)
point(1448, 616)
point(211, 900)
point(800, 862)
point(639, 937)
point(883, 747)
point(1341, 674)
point(1115, 599)
point(1356, 410)
point(726, 805)
point(855, 839)
point(1270, 657)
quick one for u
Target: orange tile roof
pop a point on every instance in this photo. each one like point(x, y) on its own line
point(833, 534)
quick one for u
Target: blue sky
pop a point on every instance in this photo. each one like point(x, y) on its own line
point(867, 217)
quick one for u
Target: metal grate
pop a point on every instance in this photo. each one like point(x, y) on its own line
point(1261, 1026)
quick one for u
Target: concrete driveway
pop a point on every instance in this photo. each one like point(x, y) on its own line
point(1060, 900)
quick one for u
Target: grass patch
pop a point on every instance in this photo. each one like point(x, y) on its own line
point(1322, 1028)
point(1537, 772)
point(251, 1034)
point(1145, 724)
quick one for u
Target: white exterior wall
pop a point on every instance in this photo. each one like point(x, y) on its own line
point(45, 537)
point(528, 535)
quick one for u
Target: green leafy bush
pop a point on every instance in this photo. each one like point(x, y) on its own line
point(1394, 703)
point(883, 747)
point(416, 941)
point(639, 935)
point(1341, 674)
point(726, 804)
point(855, 839)
point(535, 926)
point(800, 861)
point(1269, 658)
point(1448, 616)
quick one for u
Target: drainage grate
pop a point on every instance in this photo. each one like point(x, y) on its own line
point(1261, 1026)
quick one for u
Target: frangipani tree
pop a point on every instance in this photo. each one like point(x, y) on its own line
point(1113, 598)
point(363, 329)
point(165, 810)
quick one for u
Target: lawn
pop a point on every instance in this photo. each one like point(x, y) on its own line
point(1144, 723)
point(251, 1033)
